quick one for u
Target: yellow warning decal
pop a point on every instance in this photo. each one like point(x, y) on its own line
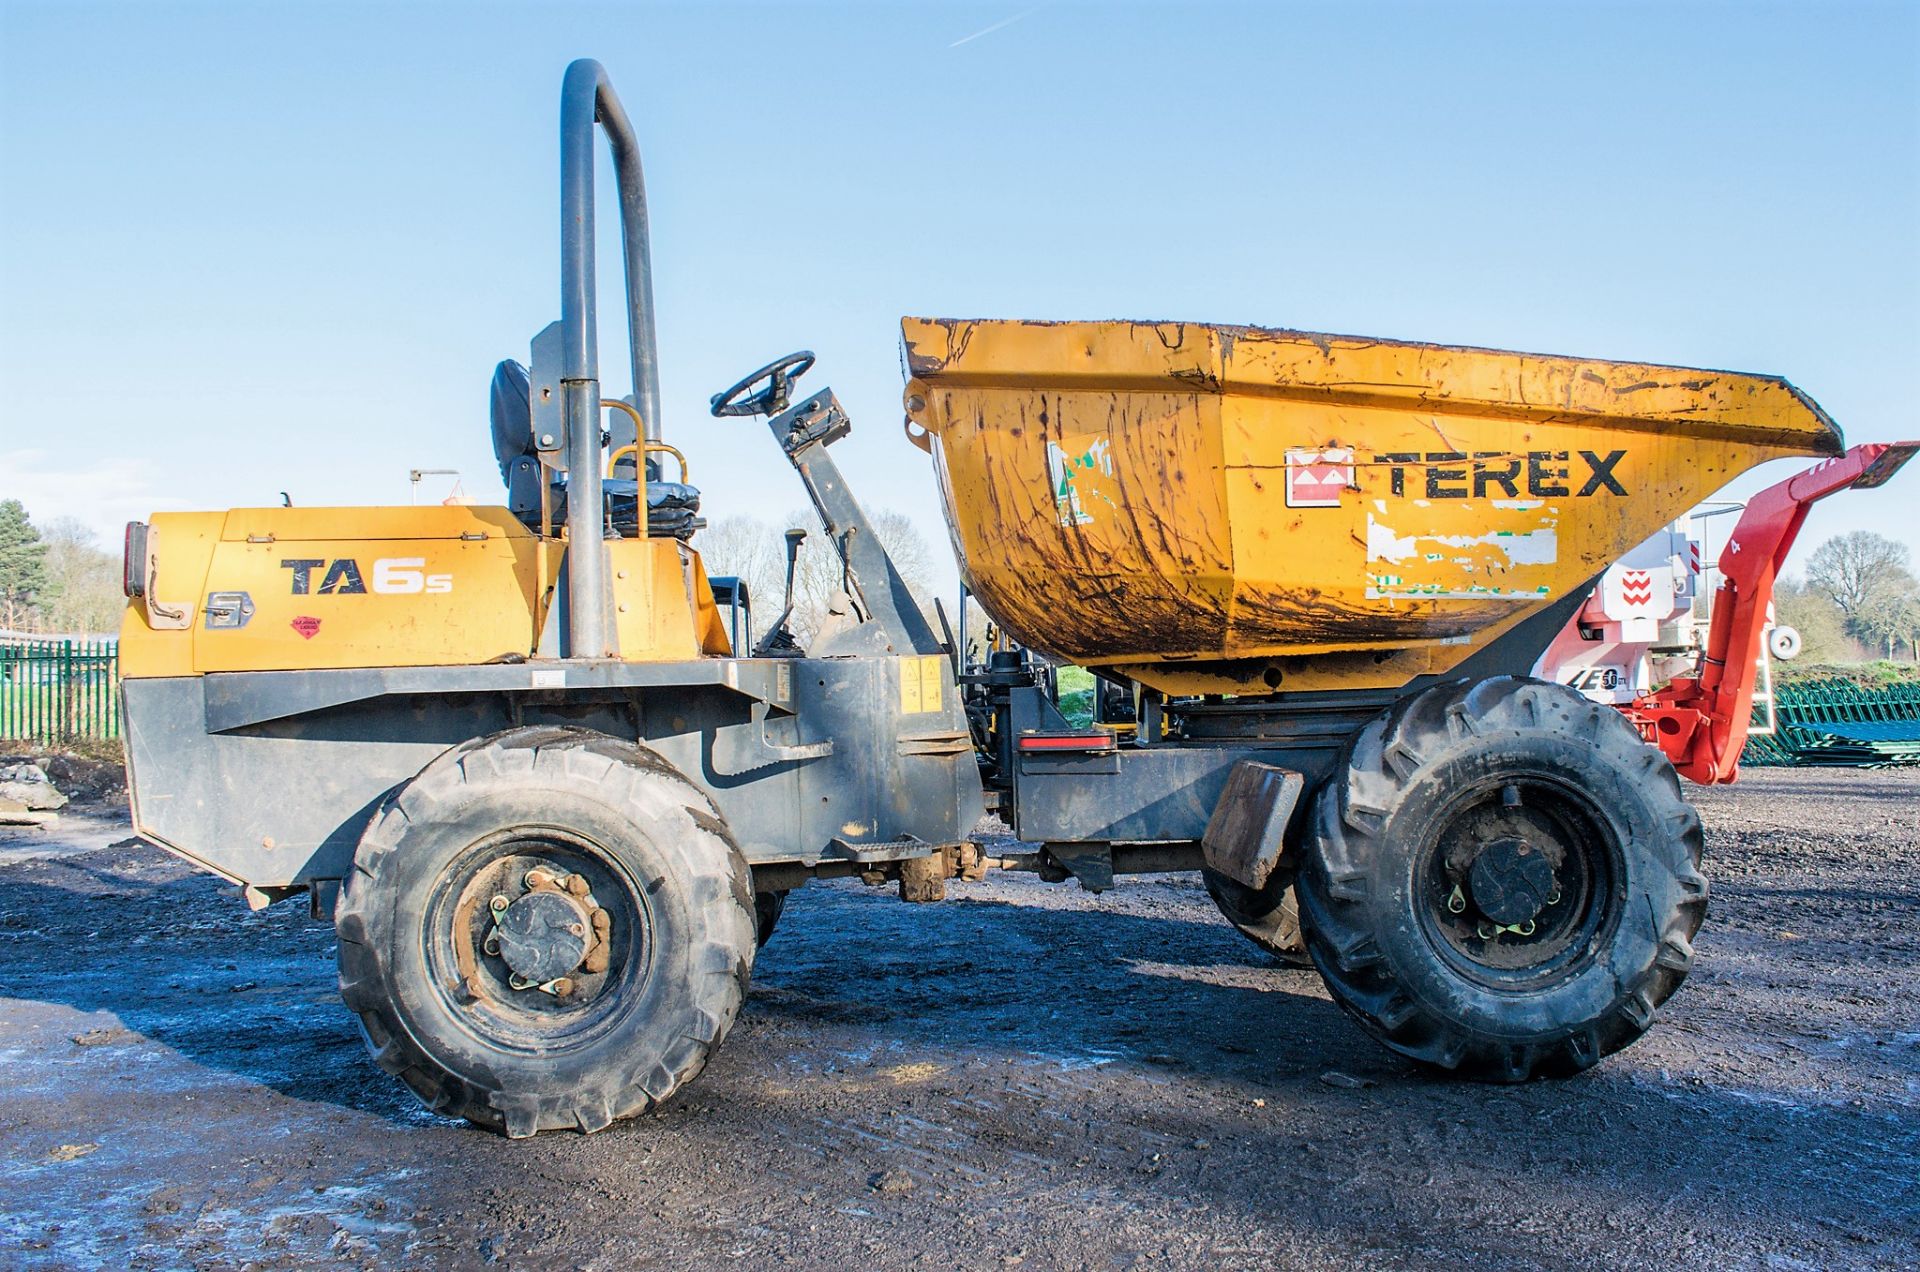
point(920, 681)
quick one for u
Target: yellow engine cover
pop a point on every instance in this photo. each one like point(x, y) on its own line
point(1232, 509)
point(271, 589)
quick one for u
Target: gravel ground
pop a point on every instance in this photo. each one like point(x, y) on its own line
point(1028, 1076)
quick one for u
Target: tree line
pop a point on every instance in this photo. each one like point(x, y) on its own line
point(56, 579)
point(1858, 600)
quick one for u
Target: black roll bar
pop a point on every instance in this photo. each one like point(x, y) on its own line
point(587, 98)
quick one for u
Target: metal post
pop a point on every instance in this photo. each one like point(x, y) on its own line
point(586, 98)
point(960, 637)
point(67, 721)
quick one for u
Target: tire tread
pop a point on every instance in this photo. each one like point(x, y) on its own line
point(1347, 833)
point(714, 873)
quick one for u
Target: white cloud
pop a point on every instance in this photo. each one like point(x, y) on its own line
point(102, 496)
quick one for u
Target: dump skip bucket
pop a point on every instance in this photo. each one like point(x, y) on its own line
point(1237, 510)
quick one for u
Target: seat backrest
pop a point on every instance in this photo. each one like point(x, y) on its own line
point(510, 410)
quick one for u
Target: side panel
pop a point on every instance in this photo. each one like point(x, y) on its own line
point(1156, 794)
point(892, 772)
point(663, 607)
point(283, 800)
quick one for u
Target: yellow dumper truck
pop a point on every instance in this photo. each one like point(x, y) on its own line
point(552, 788)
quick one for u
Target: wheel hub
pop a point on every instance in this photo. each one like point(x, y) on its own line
point(1511, 881)
point(544, 935)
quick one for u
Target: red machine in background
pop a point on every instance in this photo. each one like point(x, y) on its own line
point(1639, 619)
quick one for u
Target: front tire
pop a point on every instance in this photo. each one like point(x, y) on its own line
point(546, 928)
point(1505, 882)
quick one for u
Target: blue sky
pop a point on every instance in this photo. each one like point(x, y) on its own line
point(254, 248)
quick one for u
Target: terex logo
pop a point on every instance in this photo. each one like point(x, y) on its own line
point(394, 576)
point(1504, 475)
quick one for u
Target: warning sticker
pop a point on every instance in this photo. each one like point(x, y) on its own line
point(1318, 478)
point(920, 681)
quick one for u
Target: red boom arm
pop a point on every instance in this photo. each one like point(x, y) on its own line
point(1701, 721)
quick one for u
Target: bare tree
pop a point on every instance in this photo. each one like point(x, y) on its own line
point(1892, 617)
point(1852, 569)
point(755, 550)
point(751, 549)
point(819, 575)
point(910, 553)
point(84, 582)
point(1822, 627)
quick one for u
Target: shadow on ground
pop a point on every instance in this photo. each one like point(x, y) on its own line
point(1086, 1080)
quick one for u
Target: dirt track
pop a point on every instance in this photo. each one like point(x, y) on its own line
point(1029, 1076)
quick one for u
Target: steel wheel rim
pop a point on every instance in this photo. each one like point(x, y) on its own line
point(532, 1021)
point(1553, 818)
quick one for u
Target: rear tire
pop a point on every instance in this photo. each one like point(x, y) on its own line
point(1505, 882)
point(474, 951)
point(1269, 917)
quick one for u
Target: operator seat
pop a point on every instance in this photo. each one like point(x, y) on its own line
point(673, 508)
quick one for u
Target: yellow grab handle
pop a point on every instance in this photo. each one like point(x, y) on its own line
point(651, 446)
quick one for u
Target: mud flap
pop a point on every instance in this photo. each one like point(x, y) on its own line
point(1246, 835)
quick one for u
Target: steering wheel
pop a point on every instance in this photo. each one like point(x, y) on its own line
point(779, 375)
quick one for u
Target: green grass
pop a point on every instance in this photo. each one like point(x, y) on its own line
point(1868, 675)
point(36, 711)
point(1076, 695)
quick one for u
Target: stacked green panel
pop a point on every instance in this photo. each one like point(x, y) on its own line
point(1840, 723)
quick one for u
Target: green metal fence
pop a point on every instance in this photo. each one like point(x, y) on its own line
point(55, 691)
point(1837, 722)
